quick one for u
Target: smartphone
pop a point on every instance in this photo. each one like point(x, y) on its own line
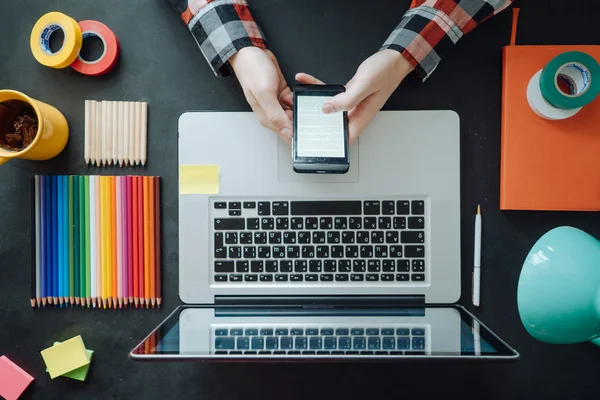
point(320, 142)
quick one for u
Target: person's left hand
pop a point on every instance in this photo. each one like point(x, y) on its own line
point(368, 90)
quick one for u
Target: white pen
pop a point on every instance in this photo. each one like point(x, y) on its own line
point(477, 259)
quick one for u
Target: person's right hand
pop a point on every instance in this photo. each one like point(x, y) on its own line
point(265, 89)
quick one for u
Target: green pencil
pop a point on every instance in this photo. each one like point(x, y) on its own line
point(88, 276)
point(70, 228)
point(76, 249)
point(81, 264)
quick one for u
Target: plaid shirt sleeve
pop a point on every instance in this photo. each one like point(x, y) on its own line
point(221, 28)
point(432, 27)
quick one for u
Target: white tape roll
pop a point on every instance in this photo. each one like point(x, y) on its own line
point(540, 106)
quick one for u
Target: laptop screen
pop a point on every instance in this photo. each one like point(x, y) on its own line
point(225, 333)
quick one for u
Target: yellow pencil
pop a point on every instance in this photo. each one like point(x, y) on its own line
point(105, 239)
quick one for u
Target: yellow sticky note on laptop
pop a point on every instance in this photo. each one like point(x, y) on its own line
point(199, 179)
point(65, 357)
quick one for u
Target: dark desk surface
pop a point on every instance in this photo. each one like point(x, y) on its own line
point(161, 64)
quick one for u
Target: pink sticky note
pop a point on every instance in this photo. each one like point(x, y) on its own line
point(13, 380)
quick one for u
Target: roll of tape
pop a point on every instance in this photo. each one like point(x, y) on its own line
point(109, 56)
point(40, 40)
point(540, 106)
point(571, 80)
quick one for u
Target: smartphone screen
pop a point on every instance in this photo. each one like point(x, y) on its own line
point(319, 134)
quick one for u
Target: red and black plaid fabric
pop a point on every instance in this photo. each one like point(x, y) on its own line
point(427, 31)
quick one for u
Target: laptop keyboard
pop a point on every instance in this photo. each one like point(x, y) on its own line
point(325, 340)
point(319, 242)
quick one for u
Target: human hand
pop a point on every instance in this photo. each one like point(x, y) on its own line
point(368, 90)
point(265, 89)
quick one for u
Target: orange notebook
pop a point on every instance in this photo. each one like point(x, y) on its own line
point(546, 165)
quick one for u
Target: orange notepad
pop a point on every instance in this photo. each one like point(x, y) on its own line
point(546, 165)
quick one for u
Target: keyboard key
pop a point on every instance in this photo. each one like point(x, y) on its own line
point(418, 265)
point(301, 342)
point(326, 208)
point(265, 278)
point(357, 277)
point(245, 238)
point(286, 343)
point(414, 251)
point(357, 331)
point(399, 223)
point(224, 266)
point(220, 278)
point(322, 251)
point(315, 343)
point(372, 331)
point(267, 223)
point(285, 266)
point(337, 251)
point(297, 331)
point(396, 251)
point(293, 352)
point(389, 265)
point(417, 207)
point(251, 278)
point(323, 352)
point(308, 251)
point(377, 237)
point(387, 331)
point(220, 205)
point(341, 277)
point(300, 266)
point(274, 237)
point(374, 343)
point(326, 277)
point(318, 237)
point(403, 265)
point(359, 343)
point(297, 223)
point(337, 352)
point(388, 343)
point(251, 332)
point(414, 353)
point(402, 331)
point(351, 251)
point(372, 207)
point(416, 223)
point(355, 223)
point(224, 343)
point(235, 213)
point(359, 266)
point(362, 237)
point(264, 208)
point(330, 343)
point(272, 343)
point(229, 224)
point(309, 352)
point(311, 223)
point(330, 265)
point(418, 332)
point(333, 237)
point(326, 331)
point(235, 252)
point(243, 343)
point(289, 237)
point(260, 237)
point(366, 251)
point(418, 343)
point(387, 277)
point(281, 278)
point(282, 223)
point(412, 237)
point(342, 331)
point(250, 352)
point(220, 252)
point(348, 237)
point(296, 278)
point(392, 237)
point(249, 204)
point(281, 331)
point(249, 252)
point(279, 352)
point(341, 223)
point(257, 266)
point(315, 266)
point(221, 332)
point(325, 223)
point(303, 237)
point(385, 223)
point(242, 266)
point(388, 207)
point(235, 278)
point(278, 252)
point(367, 353)
point(344, 343)
point(281, 207)
point(403, 343)
point(374, 266)
point(293, 252)
point(370, 223)
point(253, 224)
point(311, 278)
point(372, 277)
point(402, 277)
point(219, 242)
point(266, 331)
point(418, 277)
point(381, 251)
point(264, 252)
point(344, 266)
point(312, 331)
point(257, 343)
point(352, 352)
point(235, 205)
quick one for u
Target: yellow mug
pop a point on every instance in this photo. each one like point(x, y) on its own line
point(52, 132)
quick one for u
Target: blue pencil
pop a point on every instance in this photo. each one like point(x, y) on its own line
point(59, 224)
point(48, 241)
point(55, 237)
point(66, 228)
point(42, 228)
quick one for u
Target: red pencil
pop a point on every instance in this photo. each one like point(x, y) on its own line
point(140, 212)
point(151, 241)
point(134, 245)
point(157, 239)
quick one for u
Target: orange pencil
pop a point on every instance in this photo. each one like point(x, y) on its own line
point(157, 239)
point(105, 239)
point(98, 209)
point(134, 209)
point(140, 212)
point(151, 234)
point(146, 185)
point(113, 230)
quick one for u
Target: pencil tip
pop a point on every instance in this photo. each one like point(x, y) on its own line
point(478, 209)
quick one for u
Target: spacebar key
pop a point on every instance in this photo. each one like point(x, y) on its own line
point(229, 224)
point(326, 208)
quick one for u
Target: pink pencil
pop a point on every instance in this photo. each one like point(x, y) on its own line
point(125, 247)
point(140, 212)
point(129, 240)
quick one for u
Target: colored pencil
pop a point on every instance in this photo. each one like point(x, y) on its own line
point(144, 133)
point(43, 248)
point(119, 242)
point(81, 237)
point(158, 241)
point(99, 241)
point(34, 230)
point(130, 239)
point(113, 225)
point(135, 241)
point(105, 245)
point(152, 239)
point(75, 235)
point(69, 235)
point(146, 241)
point(84, 242)
point(141, 272)
point(55, 241)
point(92, 242)
point(87, 139)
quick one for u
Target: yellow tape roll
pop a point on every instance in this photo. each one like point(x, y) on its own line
point(40, 40)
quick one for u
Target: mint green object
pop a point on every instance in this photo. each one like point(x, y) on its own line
point(559, 288)
point(81, 373)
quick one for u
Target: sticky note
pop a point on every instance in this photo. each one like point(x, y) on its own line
point(13, 380)
point(65, 357)
point(80, 373)
point(199, 179)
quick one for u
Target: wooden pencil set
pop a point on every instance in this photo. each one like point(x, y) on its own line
point(116, 133)
point(96, 241)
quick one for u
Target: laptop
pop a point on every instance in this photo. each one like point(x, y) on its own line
point(276, 265)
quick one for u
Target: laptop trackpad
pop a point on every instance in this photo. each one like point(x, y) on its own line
point(287, 175)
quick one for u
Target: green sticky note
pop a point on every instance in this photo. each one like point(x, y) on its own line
point(80, 373)
point(65, 357)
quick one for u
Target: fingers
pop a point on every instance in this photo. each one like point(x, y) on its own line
point(276, 118)
point(354, 94)
point(363, 114)
point(308, 79)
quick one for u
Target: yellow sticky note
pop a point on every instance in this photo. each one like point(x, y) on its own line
point(199, 179)
point(65, 357)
